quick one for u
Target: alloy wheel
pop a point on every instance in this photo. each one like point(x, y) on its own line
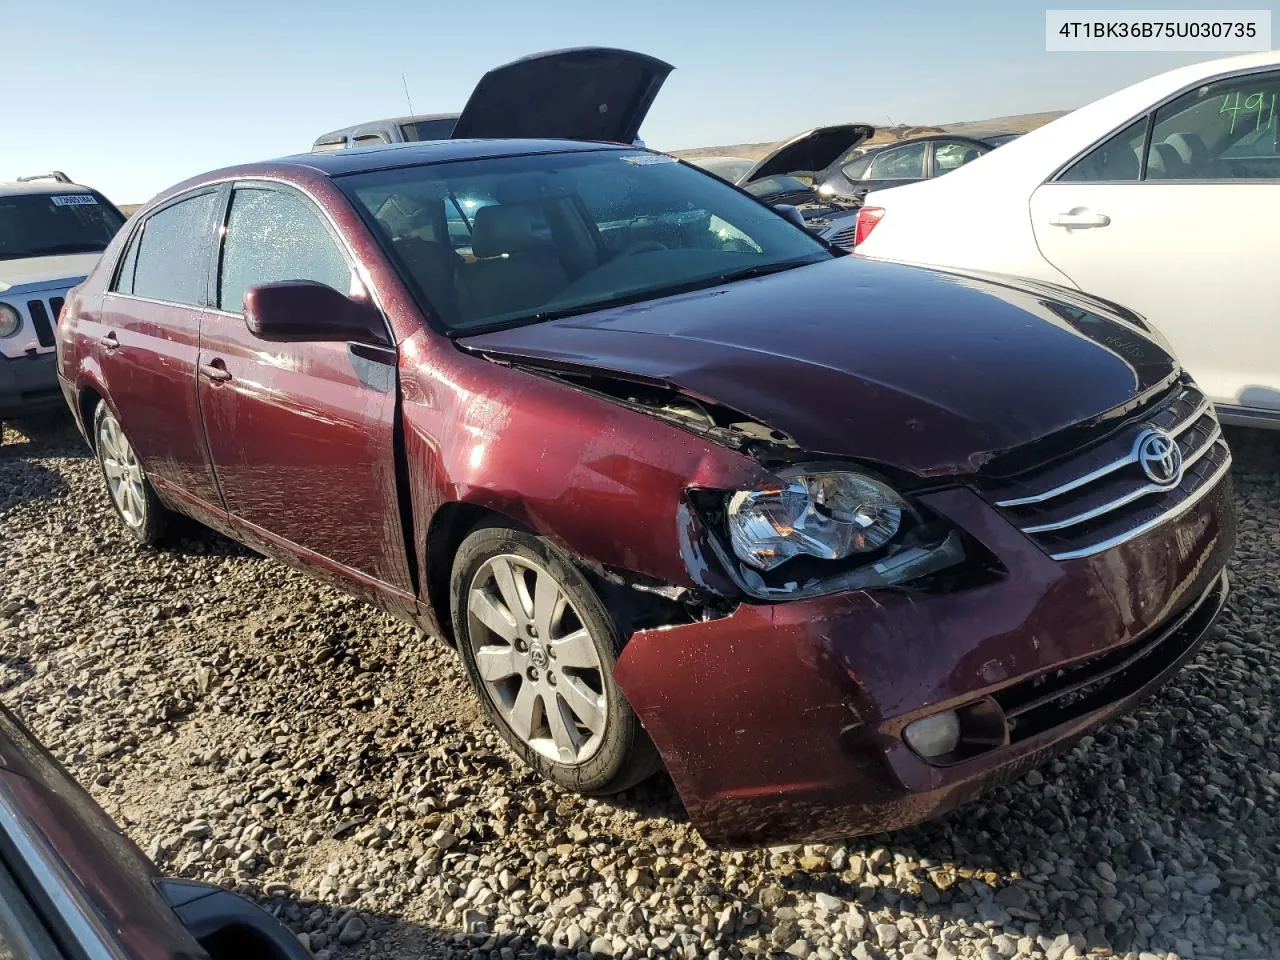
point(124, 473)
point(537, 661)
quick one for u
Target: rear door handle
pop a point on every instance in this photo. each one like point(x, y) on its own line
point(109, 340)
point(215, 370)
point(1079, 219)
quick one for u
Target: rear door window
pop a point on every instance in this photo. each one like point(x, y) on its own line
point(274, 235)
point(172, 259)
point(901, 163)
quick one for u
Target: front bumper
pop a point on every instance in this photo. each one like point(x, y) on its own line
point(29, 385)
point(784, 723)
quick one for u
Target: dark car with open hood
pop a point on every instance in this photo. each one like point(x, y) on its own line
point(72, 885)
point(791, 173)
point(838, 543)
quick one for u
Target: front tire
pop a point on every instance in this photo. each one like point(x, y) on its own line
point(130, 492)
point(539, 648)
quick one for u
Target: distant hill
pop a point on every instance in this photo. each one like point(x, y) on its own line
point(1021, 123)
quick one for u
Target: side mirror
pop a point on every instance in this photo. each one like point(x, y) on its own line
point(791, 213)
point(303, 311)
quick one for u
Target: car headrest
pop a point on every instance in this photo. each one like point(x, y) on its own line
point(1189, 147)
point(504, 228)
point(1163, 163)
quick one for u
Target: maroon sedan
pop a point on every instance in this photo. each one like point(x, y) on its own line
point(839, 543)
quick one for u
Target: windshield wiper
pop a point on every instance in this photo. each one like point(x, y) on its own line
point(763, 270)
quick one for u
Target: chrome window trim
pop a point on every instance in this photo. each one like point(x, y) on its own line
point(75, 913)
point(22, 932)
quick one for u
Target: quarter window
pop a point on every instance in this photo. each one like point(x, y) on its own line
point(1117, 159)
point(171, 260)
point(275, 235)
point(857, 169)
point(904, 163)
point(124, 282)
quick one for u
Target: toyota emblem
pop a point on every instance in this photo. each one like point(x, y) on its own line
point(1160, 457)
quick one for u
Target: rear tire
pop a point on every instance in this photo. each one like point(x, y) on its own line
point(140, 510)
point(539, 648)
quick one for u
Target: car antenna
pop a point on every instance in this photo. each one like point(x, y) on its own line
point(406, 95)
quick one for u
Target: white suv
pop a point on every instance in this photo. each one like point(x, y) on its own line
point(51, 233)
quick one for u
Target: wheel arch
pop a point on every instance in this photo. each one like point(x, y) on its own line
point(449, 526)
point(88, 395)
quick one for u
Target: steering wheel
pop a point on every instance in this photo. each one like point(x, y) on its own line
point(644, 246)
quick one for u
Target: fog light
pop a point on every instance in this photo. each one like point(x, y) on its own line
point(934, 736)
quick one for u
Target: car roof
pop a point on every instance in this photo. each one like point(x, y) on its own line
point(40, 187)
point(416, 153)
point(391, 156)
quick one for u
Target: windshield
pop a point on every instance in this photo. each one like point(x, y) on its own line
point(48, 224)
point(498, 242)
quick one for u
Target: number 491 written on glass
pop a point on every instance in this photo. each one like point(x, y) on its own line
point(1254, 103)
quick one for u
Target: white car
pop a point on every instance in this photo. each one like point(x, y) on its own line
point(1163, 197)
point(51, 232)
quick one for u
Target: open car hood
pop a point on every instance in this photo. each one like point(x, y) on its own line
point(583, 93)
point(811, 151)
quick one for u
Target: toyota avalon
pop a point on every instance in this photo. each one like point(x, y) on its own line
point(837, 543)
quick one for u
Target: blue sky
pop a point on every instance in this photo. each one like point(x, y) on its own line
point(132, 96)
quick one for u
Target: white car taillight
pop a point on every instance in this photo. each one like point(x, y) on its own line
point(868, 217)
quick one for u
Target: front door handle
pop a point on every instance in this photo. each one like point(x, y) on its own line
point(1079, 219)
point(215, 370)
point(109, 340)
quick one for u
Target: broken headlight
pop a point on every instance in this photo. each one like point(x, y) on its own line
point(830, 515)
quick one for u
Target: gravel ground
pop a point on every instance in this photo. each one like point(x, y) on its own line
point(251, 728)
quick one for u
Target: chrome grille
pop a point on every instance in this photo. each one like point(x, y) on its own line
point(1104, 495)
